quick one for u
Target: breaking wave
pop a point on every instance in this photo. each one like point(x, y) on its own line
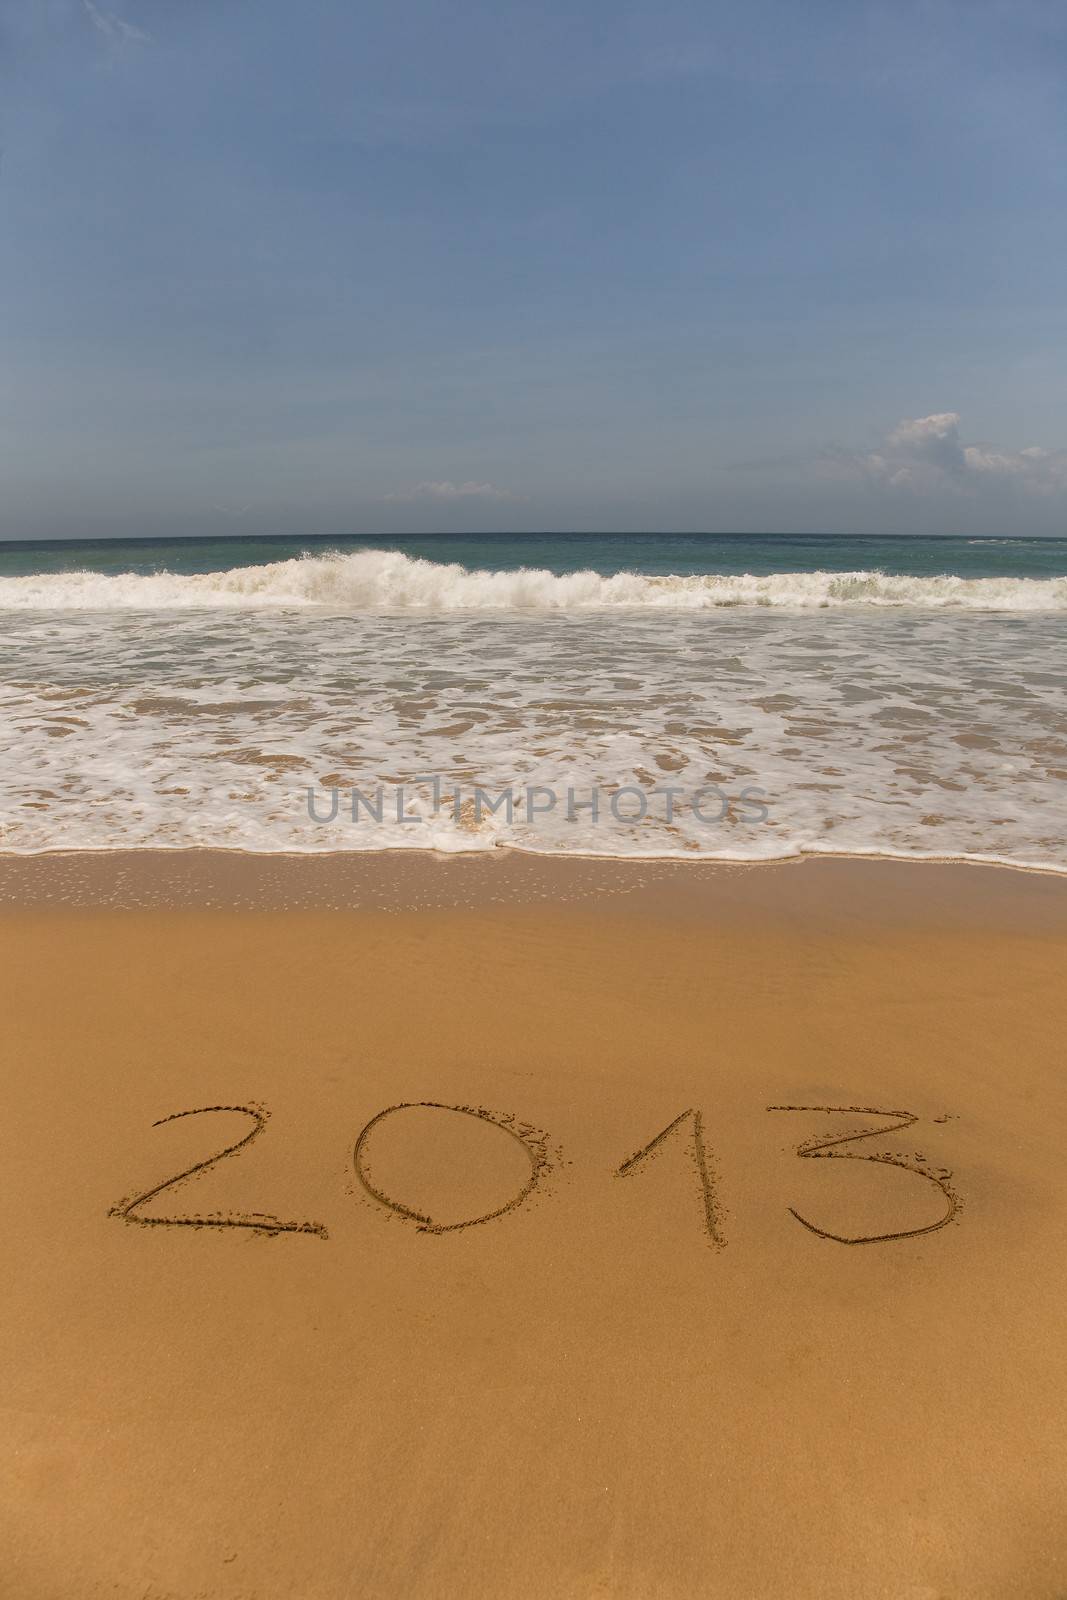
point(385, 581)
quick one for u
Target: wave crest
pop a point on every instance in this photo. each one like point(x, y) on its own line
point(386, 580)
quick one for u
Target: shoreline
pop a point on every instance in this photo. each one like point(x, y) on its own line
point(500, 851)
point(841, 889)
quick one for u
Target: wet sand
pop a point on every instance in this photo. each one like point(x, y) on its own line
point(744, 1359)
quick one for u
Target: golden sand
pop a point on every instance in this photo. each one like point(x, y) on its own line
point(586, 1232)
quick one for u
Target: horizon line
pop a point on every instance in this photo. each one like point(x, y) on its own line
point(55, 541)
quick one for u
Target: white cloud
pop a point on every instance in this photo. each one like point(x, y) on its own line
point(927, 453)
point(451, 491)
point(114, 27)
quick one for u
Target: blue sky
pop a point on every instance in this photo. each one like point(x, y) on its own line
point(328, 267)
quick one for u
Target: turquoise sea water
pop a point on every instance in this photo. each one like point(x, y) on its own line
point(658, 553)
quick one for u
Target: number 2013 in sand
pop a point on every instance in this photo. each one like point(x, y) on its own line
point(686, 1130)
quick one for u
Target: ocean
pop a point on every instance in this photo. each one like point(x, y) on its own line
point(725, 697)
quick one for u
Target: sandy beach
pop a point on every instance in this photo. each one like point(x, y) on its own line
point(504, 1339)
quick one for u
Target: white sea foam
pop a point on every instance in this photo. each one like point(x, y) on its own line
point(914, 733)
point(384, 581)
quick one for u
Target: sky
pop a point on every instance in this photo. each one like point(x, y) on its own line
point(392, 265)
